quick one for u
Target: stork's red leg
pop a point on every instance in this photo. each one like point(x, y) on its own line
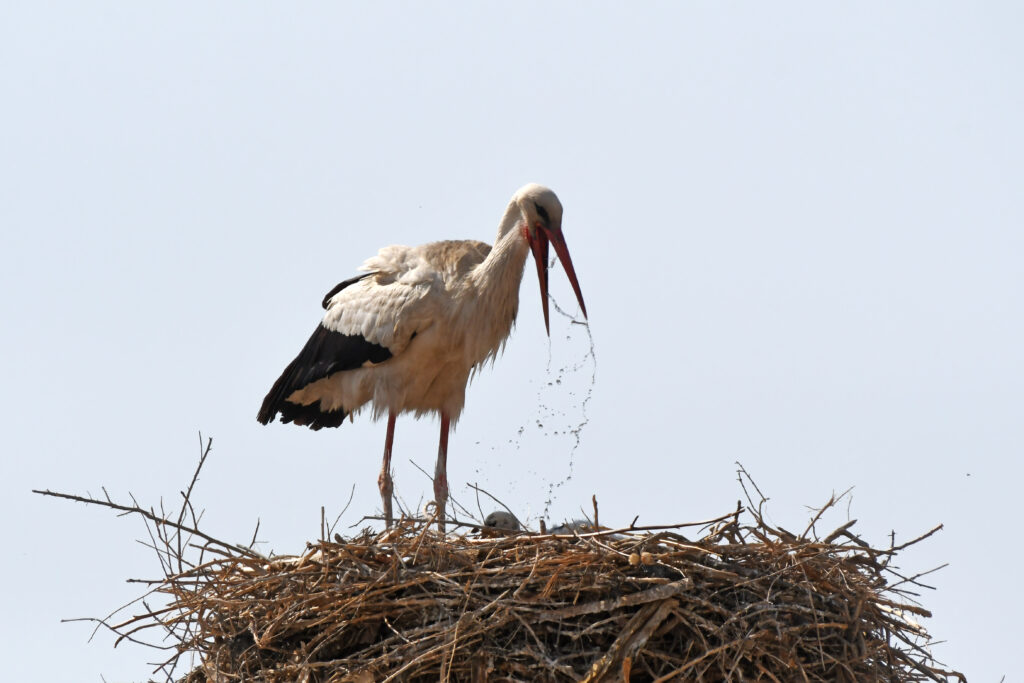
point(441, 472)
point(384, 480)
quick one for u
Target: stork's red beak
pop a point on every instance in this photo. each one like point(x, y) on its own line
point(539, 245)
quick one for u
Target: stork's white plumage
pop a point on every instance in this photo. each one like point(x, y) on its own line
point(406, 335)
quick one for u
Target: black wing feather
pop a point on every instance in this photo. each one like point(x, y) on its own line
point(327, 352)
point(342, 285)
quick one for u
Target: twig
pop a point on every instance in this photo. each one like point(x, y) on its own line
point(148, 515)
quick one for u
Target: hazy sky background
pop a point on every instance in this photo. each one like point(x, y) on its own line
point(798, 227)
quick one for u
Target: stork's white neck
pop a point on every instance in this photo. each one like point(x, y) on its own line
point(502, 271)
point(495, 285)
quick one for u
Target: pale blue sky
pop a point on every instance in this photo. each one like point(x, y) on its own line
point(798, 227)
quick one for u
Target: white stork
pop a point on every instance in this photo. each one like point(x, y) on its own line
point(406, 335)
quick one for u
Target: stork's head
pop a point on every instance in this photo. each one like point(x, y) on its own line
point(542, 224)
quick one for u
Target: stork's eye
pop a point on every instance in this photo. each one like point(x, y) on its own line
point(542, 212)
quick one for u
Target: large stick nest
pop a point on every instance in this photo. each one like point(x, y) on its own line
point(744, 602)
point(740, 601)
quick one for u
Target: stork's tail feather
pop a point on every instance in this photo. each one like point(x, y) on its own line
point(298, 374)
point(326, 353)
point(307, 416)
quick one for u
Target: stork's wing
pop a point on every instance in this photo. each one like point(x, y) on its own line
point(369, 319)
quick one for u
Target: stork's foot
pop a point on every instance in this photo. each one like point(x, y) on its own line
point(441, 472)
point(441, 500)
point(387, 487)
point(384, 482)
